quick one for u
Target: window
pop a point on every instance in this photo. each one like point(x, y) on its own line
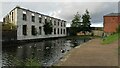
point(12, 16)
point(64, 24)
point(61, 24)
point(40, 19)
point(24, 17)
point(33, 30)
point(64, 31)
point(40, 31)
point(4, 20)
point(61, 30)
point(24, 29)
point(7, 19)
point(54, 30)
point(58, 23)
point(33, 18)
point(58, 31)
point(50, 20)
point(45, 19)
point(54, 22)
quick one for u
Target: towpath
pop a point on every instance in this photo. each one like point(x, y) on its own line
point(92, 53)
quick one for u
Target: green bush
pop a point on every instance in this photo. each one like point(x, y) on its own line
point(32, 62)
point(48, 28)
point(118, 29)
point(28, 62)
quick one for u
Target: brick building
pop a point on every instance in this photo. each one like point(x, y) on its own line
point(111, 22)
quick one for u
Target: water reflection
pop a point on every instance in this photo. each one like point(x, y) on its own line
point(47, 52)
point(0, 59)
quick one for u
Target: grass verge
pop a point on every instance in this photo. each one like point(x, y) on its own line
point(111, 38)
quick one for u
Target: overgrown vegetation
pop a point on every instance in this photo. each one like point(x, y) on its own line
point(48, 28)
point(118, 29)
point(28, 62)
point(113, 37)
point(110, 39)
point(8, 26)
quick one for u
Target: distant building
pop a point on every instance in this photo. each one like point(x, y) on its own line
point(29, 22)
point(111, 22)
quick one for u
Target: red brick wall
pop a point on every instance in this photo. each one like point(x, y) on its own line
point(111, 23)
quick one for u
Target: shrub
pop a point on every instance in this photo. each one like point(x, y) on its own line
point(118, 29)
point(48, 28)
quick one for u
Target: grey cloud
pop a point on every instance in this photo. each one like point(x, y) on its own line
point(66, 10)
point(42, 7)
point(97, 10)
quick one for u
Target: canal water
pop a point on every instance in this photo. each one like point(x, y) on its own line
point(47, 52)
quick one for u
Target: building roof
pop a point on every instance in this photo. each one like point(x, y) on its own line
point(113, 14)
point(35, 12)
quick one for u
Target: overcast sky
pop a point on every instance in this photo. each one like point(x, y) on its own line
point(65, 10)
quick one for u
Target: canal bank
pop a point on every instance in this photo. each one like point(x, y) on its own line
point(47, 51)
point(91, 53)
point(5, 42)
point(14, 42)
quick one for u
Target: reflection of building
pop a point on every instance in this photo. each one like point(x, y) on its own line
point(30, 24)
point(111, 22)
point(35, 50)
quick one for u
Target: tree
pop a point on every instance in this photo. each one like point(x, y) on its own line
point(83, 26)
point(75, 24)
point(76, 20)
point(86, 21)
point(48, 28)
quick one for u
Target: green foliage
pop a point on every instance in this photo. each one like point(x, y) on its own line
point(92, 34)
point(76, 20)
point(118, 29)
point(32, 62)
point(73, 30)
point(111, 38)
point(35, 31)
point(16, 62)
point(75, 24)
point(28, 62)
point(86, 21)
point(9, 26)
point(48, 28)
point(78, 26)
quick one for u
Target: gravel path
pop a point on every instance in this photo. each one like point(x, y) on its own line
point(92, 53)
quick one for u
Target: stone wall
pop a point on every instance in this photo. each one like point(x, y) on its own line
point(97, 32)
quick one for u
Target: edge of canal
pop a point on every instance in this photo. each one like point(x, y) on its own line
point(68, 53)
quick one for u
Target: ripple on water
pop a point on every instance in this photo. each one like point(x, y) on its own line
point(46, 52)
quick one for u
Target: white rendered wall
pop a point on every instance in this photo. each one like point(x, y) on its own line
point(29, 23)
